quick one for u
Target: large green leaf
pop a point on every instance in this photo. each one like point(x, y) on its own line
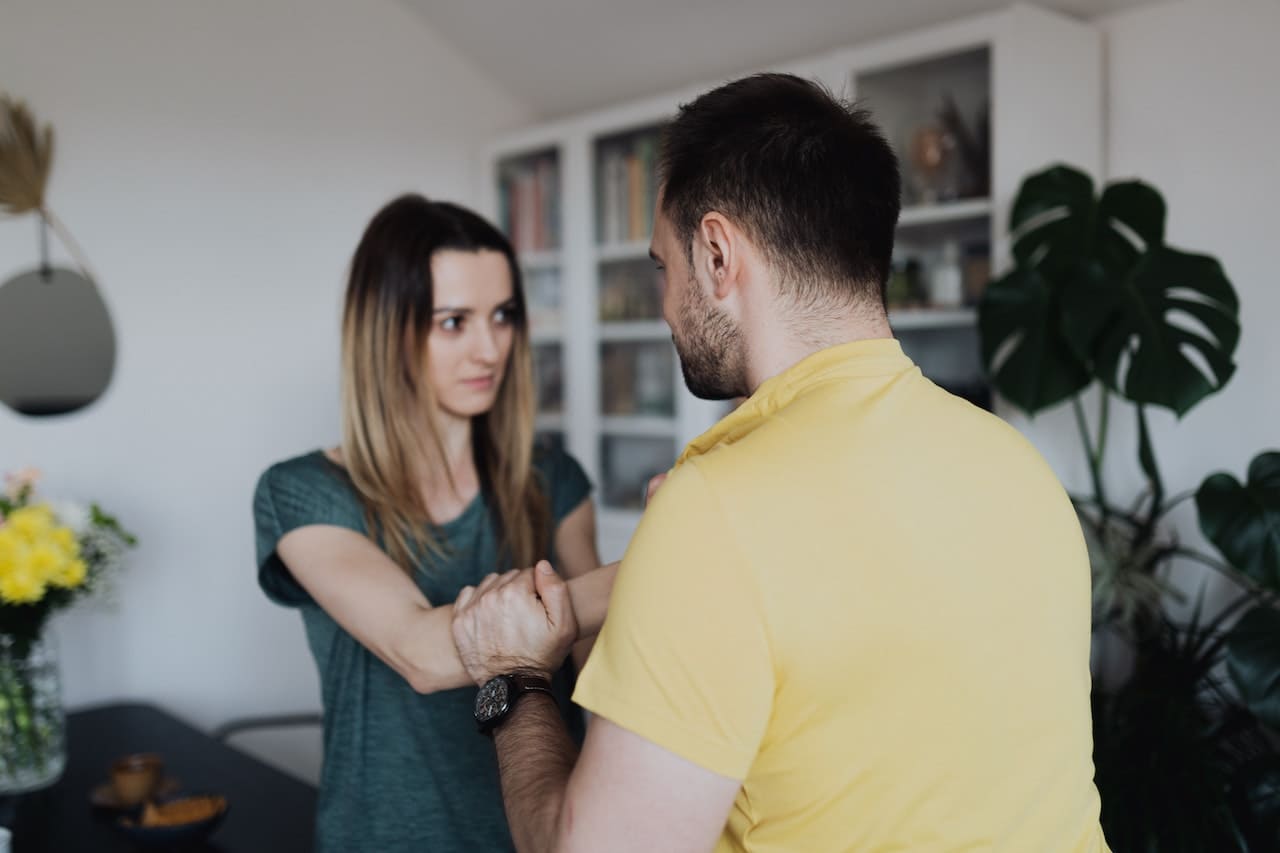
point(1051, 221)
point(1027, 358)
point(1243, 521)
point(1253, 660)
point(1143, 326)
point(1158, 326)
point(1130, 220)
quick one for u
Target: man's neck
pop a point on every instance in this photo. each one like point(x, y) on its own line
point(778, 343)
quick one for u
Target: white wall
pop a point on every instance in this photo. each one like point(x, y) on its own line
point(1193, 110)
point(217, 162)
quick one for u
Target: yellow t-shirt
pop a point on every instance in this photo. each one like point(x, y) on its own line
point(869, 600)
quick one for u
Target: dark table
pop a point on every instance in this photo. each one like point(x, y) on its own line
point(270, 811)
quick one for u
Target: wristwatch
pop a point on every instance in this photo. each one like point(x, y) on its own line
point(499, 695)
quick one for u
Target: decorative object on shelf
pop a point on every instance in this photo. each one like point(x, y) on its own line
point(972, 146)
point(946, 286)
point(931, 159)
point(1184, 746)
point(57, 346)
point(51, 554)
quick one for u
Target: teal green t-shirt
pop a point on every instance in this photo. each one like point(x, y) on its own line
point(402, 771)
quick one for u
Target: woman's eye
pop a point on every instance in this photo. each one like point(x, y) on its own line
point(451, 324)
point(504, 316)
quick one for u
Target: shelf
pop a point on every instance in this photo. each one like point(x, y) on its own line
point(549, 422)
point(638, 425)
point(907, 319)
point(638, 330)
point(636, 249)
point(950, 211)
point(540, 259)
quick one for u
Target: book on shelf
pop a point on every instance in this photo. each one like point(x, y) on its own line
point(529, 203)
point(628, 189)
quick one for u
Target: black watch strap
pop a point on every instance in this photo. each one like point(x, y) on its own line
point(531, 684)
point(516, 684)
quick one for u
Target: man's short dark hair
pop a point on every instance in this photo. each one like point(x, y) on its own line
point(810, 179)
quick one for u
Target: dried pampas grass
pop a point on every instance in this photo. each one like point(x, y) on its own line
point(26, 154)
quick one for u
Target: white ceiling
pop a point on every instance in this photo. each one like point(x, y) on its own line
point(562, 56)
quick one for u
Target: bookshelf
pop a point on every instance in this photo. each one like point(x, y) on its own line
point(529, 196)
point(618, 401)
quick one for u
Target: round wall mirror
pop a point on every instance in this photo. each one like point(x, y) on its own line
point(57, 347)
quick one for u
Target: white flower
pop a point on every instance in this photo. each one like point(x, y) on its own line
point(72, 515)
point(18, 481)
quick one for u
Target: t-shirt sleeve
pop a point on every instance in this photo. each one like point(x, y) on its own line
point(288, 497)
point(684, 658)
point(566, 483)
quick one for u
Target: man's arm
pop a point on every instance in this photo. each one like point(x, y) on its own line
point(625, 793)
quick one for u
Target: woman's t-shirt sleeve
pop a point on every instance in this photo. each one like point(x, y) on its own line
point(567, 484)
point(289, 495)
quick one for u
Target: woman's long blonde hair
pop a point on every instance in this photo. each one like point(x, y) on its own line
point(386, 318)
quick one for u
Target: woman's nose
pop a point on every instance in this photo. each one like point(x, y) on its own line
point(486, 347)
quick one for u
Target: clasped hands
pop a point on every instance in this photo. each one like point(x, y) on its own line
point(520, 621)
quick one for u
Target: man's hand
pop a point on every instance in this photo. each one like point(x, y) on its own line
point(519, 621)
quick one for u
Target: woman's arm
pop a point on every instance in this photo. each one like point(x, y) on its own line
point(373, 599)
point(575, 548)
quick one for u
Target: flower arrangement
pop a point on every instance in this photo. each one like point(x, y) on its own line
point(51, 554)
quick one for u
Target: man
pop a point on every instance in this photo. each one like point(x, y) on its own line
point(856, 615)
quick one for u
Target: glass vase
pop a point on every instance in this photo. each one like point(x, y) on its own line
point(33, 750)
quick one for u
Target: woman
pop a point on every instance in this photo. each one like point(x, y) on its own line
point(436, 485)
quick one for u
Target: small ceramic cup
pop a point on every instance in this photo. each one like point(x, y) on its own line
point(134, 778)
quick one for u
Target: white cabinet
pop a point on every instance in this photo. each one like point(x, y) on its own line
point(576, 195)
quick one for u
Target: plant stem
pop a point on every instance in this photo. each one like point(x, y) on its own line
point(1147, 459)
point(1095, 469)
point(1237, 577)
point(1102, 428)
point(1244, 599)
point(1174, 501)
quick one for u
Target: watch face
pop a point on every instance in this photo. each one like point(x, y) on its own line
point(491, 701)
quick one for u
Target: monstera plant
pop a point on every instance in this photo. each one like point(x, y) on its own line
point(1097, 306)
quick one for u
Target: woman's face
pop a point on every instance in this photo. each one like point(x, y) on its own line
point(472, 328)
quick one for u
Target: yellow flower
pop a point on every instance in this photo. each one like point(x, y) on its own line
point(71, 574)
point(45, 561)
point(64, 539)
point(21, 585)
point(10, 544)
point(31, 522)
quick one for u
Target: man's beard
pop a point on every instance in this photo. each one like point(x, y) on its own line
point(710, 350)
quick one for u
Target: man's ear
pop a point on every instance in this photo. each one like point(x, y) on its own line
point(721, 255)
